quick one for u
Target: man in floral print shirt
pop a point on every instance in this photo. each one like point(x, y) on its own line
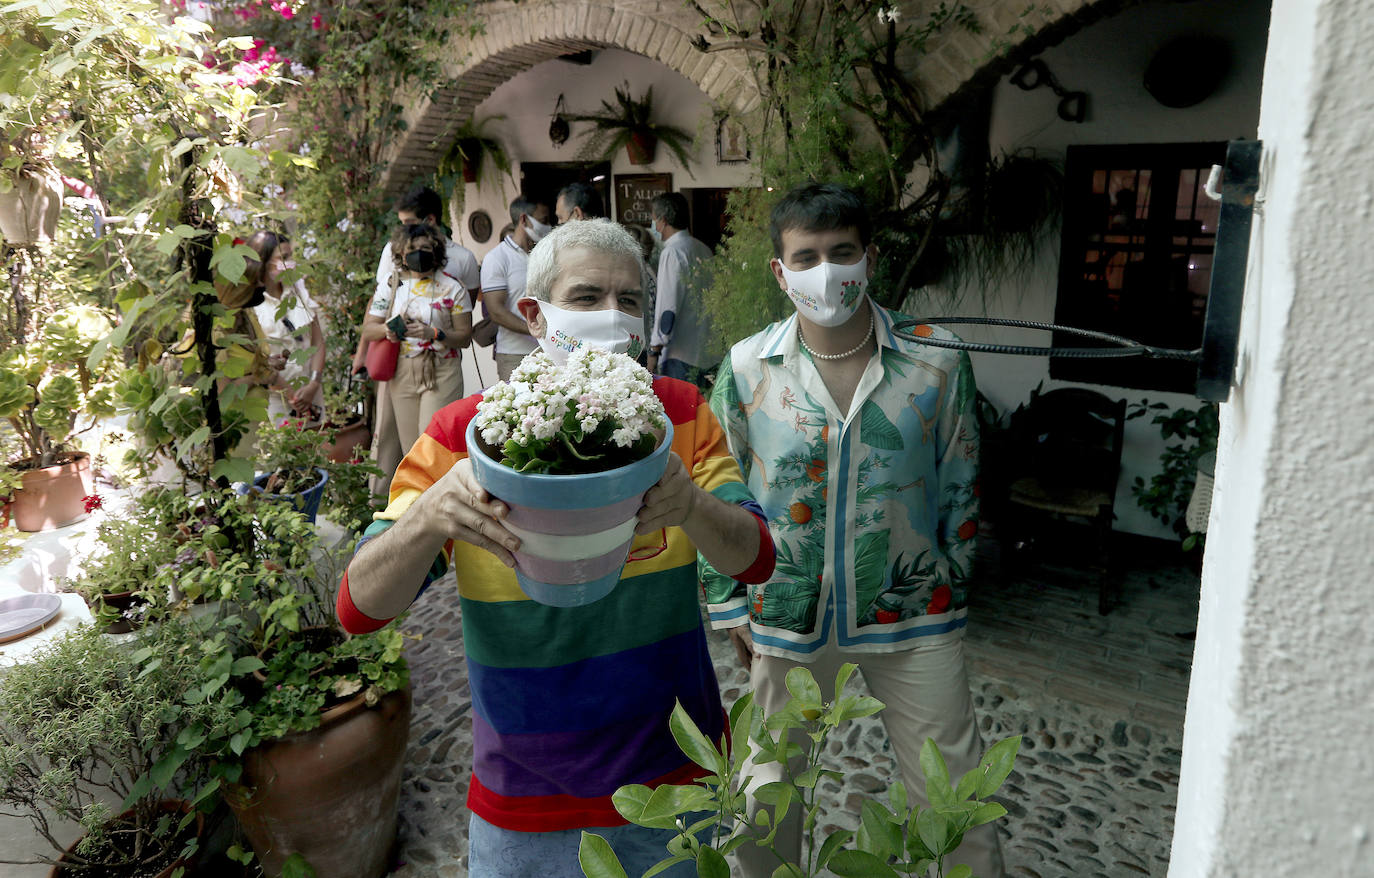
point(862, 449)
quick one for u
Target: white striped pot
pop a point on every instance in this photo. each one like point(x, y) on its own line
point(575, 530)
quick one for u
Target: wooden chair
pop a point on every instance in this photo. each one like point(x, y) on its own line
point(1066, 465)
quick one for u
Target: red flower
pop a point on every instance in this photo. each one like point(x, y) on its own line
point(887, 617)
point(968, 530)
point(92, 502)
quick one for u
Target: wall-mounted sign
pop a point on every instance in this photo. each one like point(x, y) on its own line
point(635, 192)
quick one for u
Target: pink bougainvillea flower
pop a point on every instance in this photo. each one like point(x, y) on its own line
point(316, 22)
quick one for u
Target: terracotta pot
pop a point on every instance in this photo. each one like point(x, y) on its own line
point(330, 794)
point(53, 496)
point(641, 148)
point(176, 807)
point(350, 436)
point(29, 211)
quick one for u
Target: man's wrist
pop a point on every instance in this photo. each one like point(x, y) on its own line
point(317, 375)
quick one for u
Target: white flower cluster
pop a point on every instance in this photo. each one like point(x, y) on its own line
point(593, 385)
point(889, 15)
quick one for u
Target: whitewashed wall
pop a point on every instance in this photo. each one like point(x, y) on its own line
point(527, 102)
point(1276, 758)
point(1108, 61)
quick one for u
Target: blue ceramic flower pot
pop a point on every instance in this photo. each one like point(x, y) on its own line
point(307, 502)
point(575, 530)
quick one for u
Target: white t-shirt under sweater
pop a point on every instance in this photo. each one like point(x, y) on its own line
point(504, 269)
point(433, 301)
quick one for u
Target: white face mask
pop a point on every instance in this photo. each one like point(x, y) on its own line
point(827, 294)
point(655, 233)
point(609, 330)
point(535, 229)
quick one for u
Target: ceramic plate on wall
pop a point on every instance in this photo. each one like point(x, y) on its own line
point(25, 614)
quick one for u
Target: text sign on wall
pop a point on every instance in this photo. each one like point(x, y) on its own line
point(635, 192)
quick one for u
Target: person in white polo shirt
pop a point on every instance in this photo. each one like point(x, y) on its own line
point(503, 282)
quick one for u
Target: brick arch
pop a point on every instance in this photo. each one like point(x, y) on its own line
point(520, 35)
point(959, 63)
point(517, 37)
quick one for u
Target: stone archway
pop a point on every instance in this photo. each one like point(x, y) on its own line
point(519, 36)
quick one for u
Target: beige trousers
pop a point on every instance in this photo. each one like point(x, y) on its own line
point(506, 363)
point(927, 695)
point(404, 410)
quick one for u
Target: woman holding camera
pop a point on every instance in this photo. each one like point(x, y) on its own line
point(430, 314)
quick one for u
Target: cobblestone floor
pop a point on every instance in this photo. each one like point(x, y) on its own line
point(1098, 699)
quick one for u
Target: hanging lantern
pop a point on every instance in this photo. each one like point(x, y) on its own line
point(559, 128)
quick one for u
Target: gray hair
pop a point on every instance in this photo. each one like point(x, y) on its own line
point(602, 235)
point(521, 206)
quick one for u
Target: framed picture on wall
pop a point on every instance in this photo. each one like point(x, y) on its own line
point(731, 144)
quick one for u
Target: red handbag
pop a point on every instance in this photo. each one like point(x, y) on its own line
point(381, 359)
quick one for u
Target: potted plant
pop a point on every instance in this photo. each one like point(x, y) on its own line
point(629, 123)
point(314, 754)
point(119, 585)
point(473, 146)
point(46, 388)
point(1191, 434)
point(91, 731)
point(291, 457)
point(573, 476)
point(896, 838)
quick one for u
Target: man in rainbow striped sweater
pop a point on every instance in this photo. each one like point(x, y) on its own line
point(569, 703)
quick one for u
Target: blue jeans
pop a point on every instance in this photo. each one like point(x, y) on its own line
point(494, 852)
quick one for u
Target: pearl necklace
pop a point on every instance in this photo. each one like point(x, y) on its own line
point(849, 353)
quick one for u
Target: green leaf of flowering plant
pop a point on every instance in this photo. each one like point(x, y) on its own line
point(694, 744)
point(938, 790)
point(596, 858)
point(710, 864)
point(997, 763)
point(860, 864)
point(632, 800)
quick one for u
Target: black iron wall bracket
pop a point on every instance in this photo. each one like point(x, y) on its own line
point(1216, 358)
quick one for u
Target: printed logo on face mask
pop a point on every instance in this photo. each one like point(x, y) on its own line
point(563, 341)
point(568, 331)
point(804, 300)
point(850, 292)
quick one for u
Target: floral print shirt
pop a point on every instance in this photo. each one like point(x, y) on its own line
point(432, 300)
point(873, 511)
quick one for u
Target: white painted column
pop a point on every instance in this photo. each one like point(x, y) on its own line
point(1278, 768)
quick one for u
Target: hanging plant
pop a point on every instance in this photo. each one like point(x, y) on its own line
point(629, 123)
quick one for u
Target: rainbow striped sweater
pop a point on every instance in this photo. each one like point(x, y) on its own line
point(569, 704)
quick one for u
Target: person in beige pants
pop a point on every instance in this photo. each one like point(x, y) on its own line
point(436, 313)
point(862, 448)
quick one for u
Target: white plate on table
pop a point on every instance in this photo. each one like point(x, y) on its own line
point(25, 614)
